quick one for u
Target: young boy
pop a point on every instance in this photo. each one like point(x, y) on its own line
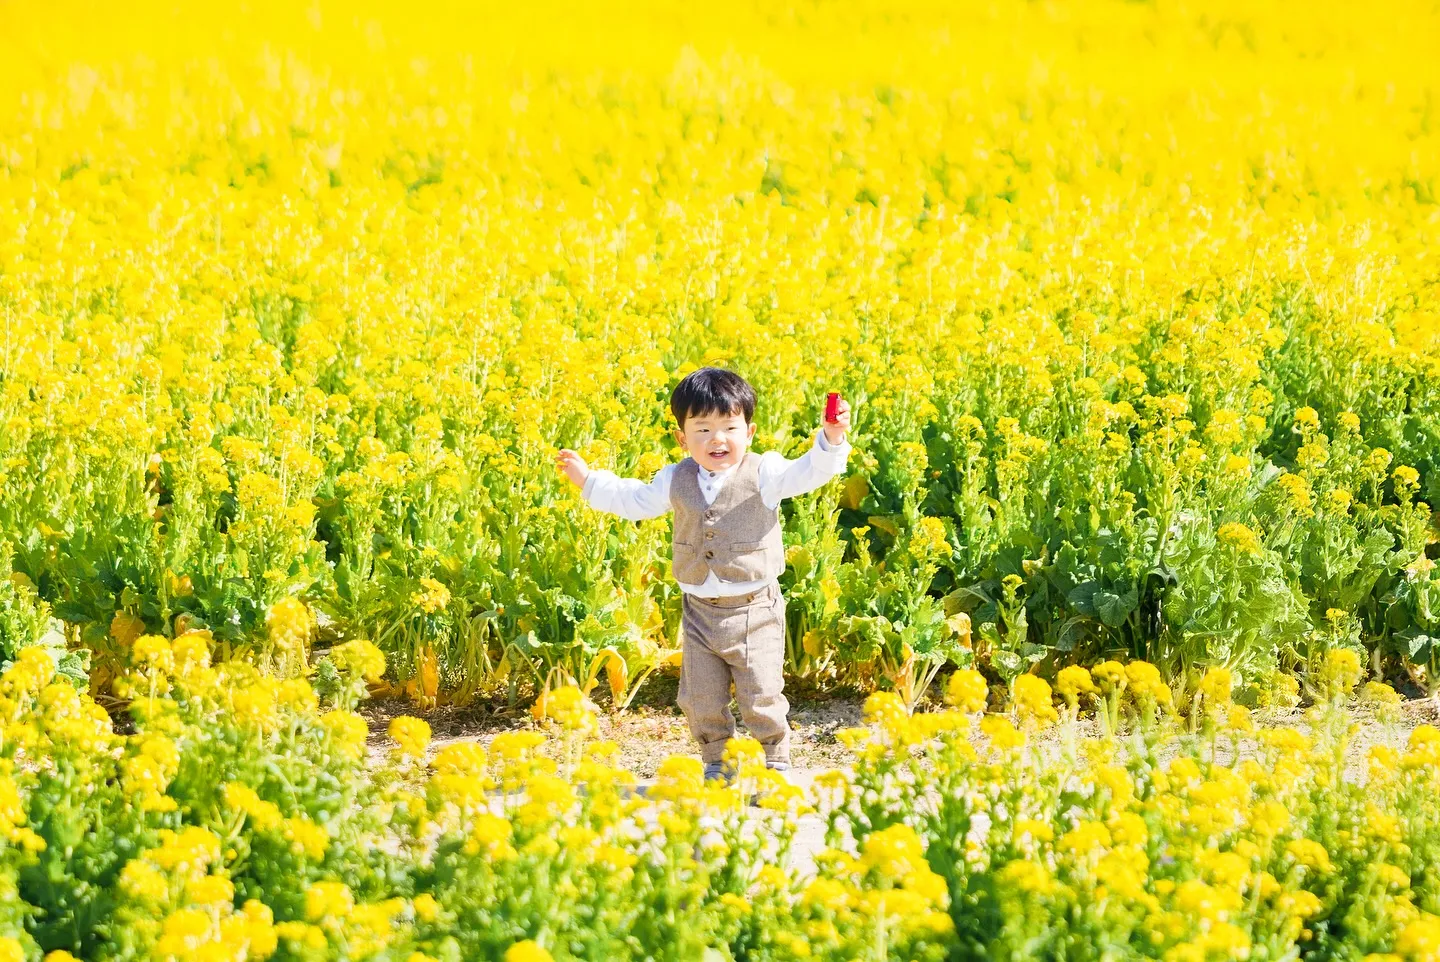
point(727, 553)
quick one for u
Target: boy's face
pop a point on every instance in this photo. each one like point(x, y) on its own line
point(716, 441)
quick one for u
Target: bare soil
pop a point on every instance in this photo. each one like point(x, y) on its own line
point(647, 732)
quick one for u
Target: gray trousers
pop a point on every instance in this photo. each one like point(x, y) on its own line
point(739, 639)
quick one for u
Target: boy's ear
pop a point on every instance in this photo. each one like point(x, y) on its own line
point(680, 439)
point(751, 435)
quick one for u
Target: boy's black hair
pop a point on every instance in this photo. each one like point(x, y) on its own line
point(712, 390)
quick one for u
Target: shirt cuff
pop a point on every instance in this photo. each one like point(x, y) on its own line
point(587, 490)
point(833, 454)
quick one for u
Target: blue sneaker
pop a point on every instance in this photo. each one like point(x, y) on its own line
point(719, 772)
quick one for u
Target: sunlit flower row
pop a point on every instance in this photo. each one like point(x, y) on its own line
point(242, 819)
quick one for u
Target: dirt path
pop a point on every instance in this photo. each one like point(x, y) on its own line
point(650, 733)
point(647, 734)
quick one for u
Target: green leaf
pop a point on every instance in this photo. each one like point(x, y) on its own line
point(1414, 644)
point(1113, 608)
point(1082, 598)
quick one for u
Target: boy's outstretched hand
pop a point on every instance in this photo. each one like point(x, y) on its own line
point(572, 466)
point(835, 431)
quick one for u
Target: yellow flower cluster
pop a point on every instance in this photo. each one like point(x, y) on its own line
point(291, 627)
point(433, 595)
point(1340, 672)
point(1257, 850)
point(967, 690)
point(1201, 840)
point(1034, 702)
point(568, 707)
point(1072, 682)
point(411, 735)
point(359, 658)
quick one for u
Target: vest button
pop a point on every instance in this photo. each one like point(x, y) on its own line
point(709, 554)
point(709, 535)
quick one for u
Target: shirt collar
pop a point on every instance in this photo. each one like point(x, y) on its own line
point(709, 475)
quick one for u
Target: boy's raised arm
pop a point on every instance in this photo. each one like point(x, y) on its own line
point(630, 498)
point(781, 478)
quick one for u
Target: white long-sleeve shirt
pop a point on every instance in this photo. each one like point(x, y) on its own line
point(780, 478)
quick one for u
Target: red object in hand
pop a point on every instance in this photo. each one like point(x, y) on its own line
point(832, 407)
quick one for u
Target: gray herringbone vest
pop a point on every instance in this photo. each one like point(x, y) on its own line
point(737, 537)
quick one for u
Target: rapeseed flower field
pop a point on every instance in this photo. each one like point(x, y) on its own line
point(1136, 303)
